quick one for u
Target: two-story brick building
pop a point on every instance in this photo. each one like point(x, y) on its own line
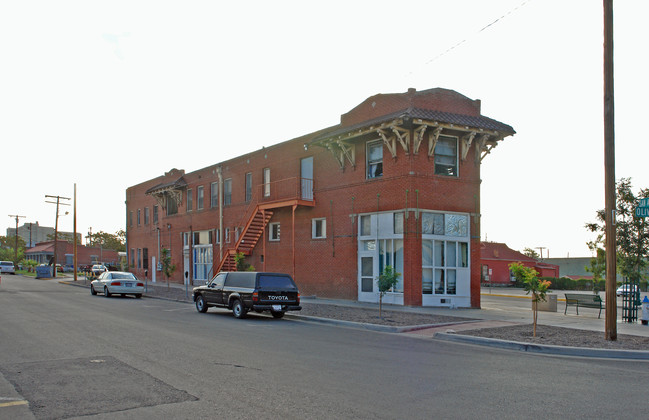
point(397, 183)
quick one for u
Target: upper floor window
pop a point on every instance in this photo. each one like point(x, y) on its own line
point(138, 216)
point(199, 198)
point(266, 182)
point(248, 186)
point(146, 215)
point(446, 156)
point(214, 194)
point(190, 198)
point(227, 192)
point(155, 214)
point(130, 218)
point(172, 205)
point(374, 159)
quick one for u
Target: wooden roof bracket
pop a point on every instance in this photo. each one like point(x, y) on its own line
point(347, 151)
point(419, 137)
point(484, 147)
point(403, 136)
point(432, 140)
point(467, 139)
point(390, 142)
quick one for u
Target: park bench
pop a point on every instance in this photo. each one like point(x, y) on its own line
point(584, 300)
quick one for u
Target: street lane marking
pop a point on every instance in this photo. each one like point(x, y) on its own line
point(12, 403)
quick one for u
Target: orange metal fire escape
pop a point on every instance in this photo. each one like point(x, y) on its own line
point(292, 192)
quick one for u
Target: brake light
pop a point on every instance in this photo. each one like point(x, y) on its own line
point(140, 285)
point(116, 283)
point(298, 298)
point(255, 296)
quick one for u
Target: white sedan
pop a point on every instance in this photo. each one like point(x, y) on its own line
point(117, 283)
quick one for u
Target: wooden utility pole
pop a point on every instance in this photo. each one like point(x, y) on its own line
point(16, 246)
point(75, 267)
point(609, 167)
point(56, 226)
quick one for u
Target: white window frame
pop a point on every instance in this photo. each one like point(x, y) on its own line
point(274, 234)
point(266, 182)
point(369, 164)
point(314, 228)
point(190, 200)
point(200, 197)
point(438, 157)
point(214, 194)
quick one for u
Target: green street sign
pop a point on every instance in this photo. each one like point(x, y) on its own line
point(641, 211)
point(644, 202)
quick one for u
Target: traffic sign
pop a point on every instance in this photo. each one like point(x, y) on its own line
point(644, 202)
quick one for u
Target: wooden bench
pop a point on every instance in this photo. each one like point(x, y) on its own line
point(584, 300)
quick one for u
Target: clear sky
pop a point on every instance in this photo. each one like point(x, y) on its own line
point(104, 94)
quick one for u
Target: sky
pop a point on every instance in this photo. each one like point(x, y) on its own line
point(109, 94)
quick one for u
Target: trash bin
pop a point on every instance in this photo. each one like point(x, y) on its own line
point(550, 304)
point(645, 311)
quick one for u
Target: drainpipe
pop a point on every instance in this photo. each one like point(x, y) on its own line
point(220, 174)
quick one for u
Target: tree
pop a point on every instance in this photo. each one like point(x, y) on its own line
point(240, 261)
point(167, 267)
point(386, 281)
point(116, 241)
point(631, 232)
point(531, 253)
point(533, 285)
point(7, 244)
point(64, 237)
point(597, 264)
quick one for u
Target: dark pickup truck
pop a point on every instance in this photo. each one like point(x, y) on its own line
point(244, 291)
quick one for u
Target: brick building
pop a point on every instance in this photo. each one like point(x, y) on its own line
point(86, 255)
point(397, 182)
point(495, 260)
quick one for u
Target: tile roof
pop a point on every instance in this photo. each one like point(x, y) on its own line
point(500, 251)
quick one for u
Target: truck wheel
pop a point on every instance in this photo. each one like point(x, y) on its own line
point(200, 304)
point(277, 314)
point(238, 310)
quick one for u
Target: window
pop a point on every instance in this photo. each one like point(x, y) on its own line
point(374, 159)
point(227, 192)
point(273, 231)
point(155, 214)
point(138, 216)
point(130, 218)
point(190, 198)
point(398, 223)
point(266, 182)
point(318, 228)
point(199, 198)
point(146, 215)
point(227, 235)
point(172, 206)
point(139, 258)
point(440, 263)
point(446, 156)
point(248, 186)
point(145, 258)
point(366, 225)
point(218, 236)
point(132, 257)
point(214, 194)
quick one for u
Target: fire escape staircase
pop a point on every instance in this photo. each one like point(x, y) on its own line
point(247, 239)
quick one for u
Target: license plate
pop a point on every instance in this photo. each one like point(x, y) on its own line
point(128, 284)
point(277, 307)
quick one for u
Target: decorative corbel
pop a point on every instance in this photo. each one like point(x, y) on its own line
point(419, 137)
point(390, 142)
point(403, 136)
point(466, 143)
point(337, 154)
point(480, 147)
point(347, 151)
point(432, 140)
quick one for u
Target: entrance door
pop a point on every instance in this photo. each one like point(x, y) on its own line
point(367, 269)
point(306, 173)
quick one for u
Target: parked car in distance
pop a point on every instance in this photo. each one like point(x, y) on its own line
point(68, 268)
point(117, 283)
point(7, 267)
point(97, 269)
point(627, 289)
point(244, 291)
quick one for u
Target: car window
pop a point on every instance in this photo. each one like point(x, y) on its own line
point(218, 280)
point(276, 282)
point(246, 280)
point(123, 276)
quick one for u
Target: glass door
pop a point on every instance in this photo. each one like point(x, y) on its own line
point(306, 175)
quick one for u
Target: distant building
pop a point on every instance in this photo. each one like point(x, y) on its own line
point(575, 268)
point(43, 252)
point(33, 233)
point(496, 257)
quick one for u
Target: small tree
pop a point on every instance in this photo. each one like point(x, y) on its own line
point(240, 260)
point(531, 253)
point(30, 264)
point(533, 285)
point(167, 267)
point(386, 281)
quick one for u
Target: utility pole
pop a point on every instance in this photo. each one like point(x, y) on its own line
point(540, 248)
point(56, 225)
point(609, 173)
point(16, 246)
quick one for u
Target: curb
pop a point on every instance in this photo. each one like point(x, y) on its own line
point(544, 349)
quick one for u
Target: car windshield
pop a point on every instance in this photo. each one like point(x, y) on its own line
point(276, 282)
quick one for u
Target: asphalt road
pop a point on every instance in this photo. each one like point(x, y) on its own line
point(66, 354)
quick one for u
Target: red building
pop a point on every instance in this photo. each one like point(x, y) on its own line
point(397, 183)
point(42, 253)
point(496, 258)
